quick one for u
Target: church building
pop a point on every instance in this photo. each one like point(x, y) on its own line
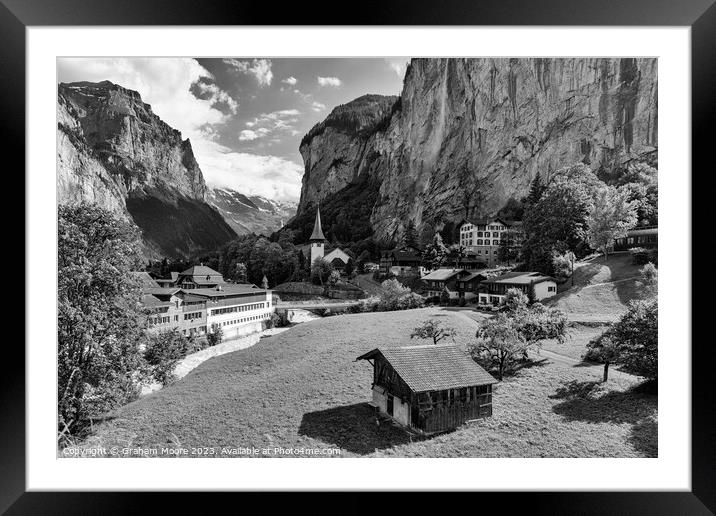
point(318, 241)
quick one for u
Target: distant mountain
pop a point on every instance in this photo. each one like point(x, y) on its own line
point(112, 150)
point(252, 213)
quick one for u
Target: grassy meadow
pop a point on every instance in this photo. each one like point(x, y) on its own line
point(304, 389)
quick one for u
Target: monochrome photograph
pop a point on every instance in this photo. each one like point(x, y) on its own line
point(409, 257)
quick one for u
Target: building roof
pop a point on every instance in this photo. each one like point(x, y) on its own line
point(145, 279)
point(473, 275)
point(151, 301)
point(433, 368)
point(486, 222)
point(227, 290)
point(442, 274)
point(161, 291)
point(201, 271)
point(519, 278)
point(317, 231)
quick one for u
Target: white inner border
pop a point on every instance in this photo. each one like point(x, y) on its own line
point(671, 470)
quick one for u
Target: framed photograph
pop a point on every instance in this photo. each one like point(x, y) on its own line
point(422, 242)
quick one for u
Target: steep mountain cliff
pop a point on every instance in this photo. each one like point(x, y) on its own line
point(252, 213)
point(114, 151)
point(468, 135)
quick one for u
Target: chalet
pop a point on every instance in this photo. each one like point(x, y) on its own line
point(484, 237)
point(469, 284)
point(430, 388)
point(401, 261)
point(168, 282)
point(443, 280)
point(641, 236)
point(199, 276)
point(492, 291)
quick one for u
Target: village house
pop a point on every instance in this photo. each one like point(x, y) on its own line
point(469, 284)
point(199, 276)
point(493, 291)
point(401, 261)
point(429, 388)
point(443, 280)
point(484, 237)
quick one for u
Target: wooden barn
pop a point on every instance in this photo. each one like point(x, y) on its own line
point(430, 388)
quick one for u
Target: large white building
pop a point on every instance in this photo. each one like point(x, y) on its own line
point(193, 309)
point(484, 238)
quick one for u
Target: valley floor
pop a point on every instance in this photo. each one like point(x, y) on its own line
point(303, 389)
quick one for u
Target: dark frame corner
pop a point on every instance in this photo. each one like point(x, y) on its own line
point(700, 15)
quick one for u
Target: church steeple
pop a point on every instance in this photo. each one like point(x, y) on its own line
point(317, 234)
point(317, 238)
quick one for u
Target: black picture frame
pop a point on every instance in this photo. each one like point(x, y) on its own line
point(700, 15)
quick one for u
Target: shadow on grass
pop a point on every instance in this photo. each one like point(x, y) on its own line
point(529, 364)
point(584, 401)
point(644, 436)
point(353, 428)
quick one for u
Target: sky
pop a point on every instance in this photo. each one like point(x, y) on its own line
point(245, 117)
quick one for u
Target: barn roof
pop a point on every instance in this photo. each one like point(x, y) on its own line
point(433, 368)
point(519, 278)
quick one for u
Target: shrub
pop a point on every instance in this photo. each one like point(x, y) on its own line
point(515, 299)
point(214, 338)
point(462, 302)
point(278, 320)
point(562, 264)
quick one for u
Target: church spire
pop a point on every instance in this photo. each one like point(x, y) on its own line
point(317, 231)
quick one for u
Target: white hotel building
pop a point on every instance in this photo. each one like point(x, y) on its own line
point(484, 237)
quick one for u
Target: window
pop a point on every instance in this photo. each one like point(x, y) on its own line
point(551, 289)
point(495, 242)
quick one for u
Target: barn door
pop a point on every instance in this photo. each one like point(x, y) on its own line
point(389, 405)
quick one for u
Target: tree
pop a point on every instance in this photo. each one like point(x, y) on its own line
point(100, 320)
point(563, 264)
point(611, 216)
point(650, 278)
point(333, 278)
point(320, 271)
point(444, 297)
point(434, 253)
point(264, 283)
point(537, 188)
point(458, 251)
point(504, 340)
point(636, 334)
point(162, 353)
point(557, 222)
point(604, 350)
point(216, 336)
point(499, 346)
point(515, 299)
point(396, 296)
point(433, 329)
point(349, 267)
point(240, 273)
point(411, 235)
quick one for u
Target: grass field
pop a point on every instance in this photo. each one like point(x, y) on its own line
point(602, 289)
point(302, 388)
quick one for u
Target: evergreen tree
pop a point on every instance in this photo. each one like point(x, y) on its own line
point(536, 189)
point(411, 235)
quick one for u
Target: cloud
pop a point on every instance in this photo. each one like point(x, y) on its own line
point(398, 65)
point(170, 86)
point(329, 81)
point(317, 106)
point(267, 123)
point(290, 81)
point(251, 174)
point(218, 96)
point(259, 68)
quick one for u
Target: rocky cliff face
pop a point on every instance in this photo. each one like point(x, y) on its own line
point(467, 135)
point(114, 151)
